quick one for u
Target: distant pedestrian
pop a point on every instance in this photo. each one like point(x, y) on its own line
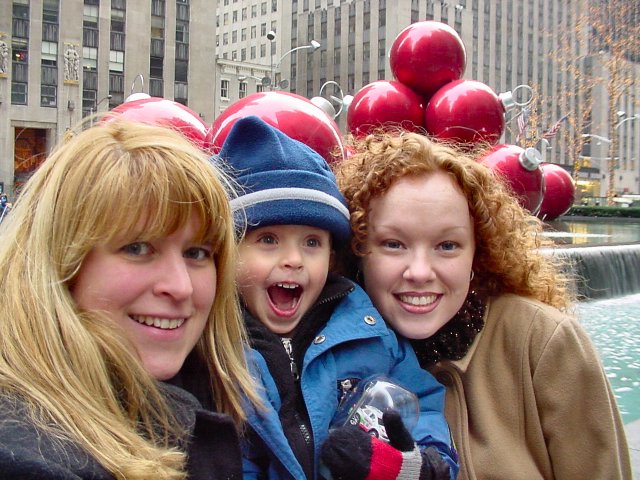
point(5, 206)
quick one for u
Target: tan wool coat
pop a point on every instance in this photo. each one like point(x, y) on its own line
point(530, 400)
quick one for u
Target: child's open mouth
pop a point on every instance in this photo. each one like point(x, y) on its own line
point(285, 297)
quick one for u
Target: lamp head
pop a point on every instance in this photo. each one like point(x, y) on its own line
point(271, 35)
point(315, 45)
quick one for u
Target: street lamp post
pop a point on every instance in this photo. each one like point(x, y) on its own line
point(95, 107)
point(628, 119)
point(271, 36)
point(613, 147)
point(597, 137)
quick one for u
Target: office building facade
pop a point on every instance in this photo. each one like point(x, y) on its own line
point(56, 69)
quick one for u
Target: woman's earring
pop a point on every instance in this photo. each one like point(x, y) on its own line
point(472, 275)
point(359, 277)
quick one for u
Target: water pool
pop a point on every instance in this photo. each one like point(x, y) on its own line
point(614, 327)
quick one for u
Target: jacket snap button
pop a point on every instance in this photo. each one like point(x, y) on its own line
point(319, 339)
point(369, 320)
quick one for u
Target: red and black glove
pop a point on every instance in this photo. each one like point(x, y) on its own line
point(352, 454)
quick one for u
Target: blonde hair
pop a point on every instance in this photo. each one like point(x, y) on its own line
point(74, 369)
point(508, 257)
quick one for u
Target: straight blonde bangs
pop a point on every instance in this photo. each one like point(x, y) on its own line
point(107, 176)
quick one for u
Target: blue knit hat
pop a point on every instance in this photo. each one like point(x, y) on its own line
point(282, 181)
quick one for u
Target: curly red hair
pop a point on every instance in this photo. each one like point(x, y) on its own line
point(509, 257)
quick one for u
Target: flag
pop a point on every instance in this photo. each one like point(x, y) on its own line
point(523, 120)
point(549, 134)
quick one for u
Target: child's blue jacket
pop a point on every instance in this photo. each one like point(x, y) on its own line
point(355, 343)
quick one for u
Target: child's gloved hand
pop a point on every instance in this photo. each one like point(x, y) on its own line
point(352, 454)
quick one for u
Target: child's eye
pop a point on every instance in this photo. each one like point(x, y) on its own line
point(268, 239)
point(313, 242)
point(137, 248)
point(393, 244)
point(197, 253)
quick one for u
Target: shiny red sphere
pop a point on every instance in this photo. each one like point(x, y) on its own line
point(292, 114)
point(527, 185)
point(385, 103)
point(426, 56)
point(160, 111)
point(560, 192)
point(467, 112)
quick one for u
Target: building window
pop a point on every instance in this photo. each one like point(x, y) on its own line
point(182, 31)
point(224, 89)
point(88, 101)
point(48, 95)
point(156, 87)
point(181, 71)
point(242, 90)
point(182, 10)
point(116, 61)
point(89, 58)
point(116, 88)
point(49, 74)
point(157, 27)
point(18, 93)
point(156, 67)
point(50, 21)
point(157, 8)
point(90, 16)
point(19, 73)
point(181, 92)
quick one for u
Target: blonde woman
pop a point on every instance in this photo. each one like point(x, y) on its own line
point(116, 263)
point(452, 262)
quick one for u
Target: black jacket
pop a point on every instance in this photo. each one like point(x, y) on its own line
point(213, 449)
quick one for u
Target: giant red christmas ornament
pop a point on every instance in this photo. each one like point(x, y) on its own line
point(292, 114)
point(559, 192)
point(385, 103)
point(467, 112)
point(521, 169)
point(160, 111)
point(426, 56)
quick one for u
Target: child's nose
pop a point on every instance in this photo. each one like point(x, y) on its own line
point(292, 258)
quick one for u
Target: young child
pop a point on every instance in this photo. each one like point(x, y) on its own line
point(316, 334)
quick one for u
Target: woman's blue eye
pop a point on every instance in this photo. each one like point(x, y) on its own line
point(197, 253)
point(392, 244)
point(448, 245)
point(137, 248)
